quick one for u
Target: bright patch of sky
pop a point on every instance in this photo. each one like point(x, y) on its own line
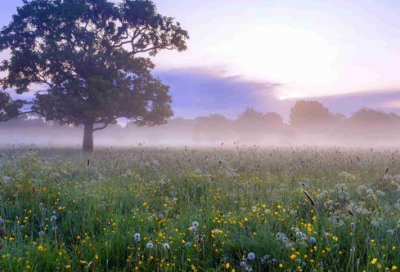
point(313, 48)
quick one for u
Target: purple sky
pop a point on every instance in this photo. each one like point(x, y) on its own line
point(266, 54)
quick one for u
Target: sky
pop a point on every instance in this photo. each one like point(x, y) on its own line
point(267, 54)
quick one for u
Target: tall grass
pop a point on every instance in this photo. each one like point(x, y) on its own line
point(293, 209)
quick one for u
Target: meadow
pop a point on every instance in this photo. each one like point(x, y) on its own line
point(237, 208)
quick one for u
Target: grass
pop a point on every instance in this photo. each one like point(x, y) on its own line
point(63, 210)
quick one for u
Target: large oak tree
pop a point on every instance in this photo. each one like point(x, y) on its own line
point(89, 54)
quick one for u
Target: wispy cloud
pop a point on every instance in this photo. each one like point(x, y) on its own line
point(200, 90)
point(386, 100)
point(392, 104)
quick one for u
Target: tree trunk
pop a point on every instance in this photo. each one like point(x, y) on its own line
point(88, 137)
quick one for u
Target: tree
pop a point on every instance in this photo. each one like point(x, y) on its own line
point(87, 53)
point(249, 125)
point(214, 127)
point(273, 121)
point(252, 125)
point(310, 116)
point(371, 125)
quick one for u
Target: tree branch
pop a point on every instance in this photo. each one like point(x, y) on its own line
point(149, 49)
point(100, 121)
point(100, 128)
point(21, 113)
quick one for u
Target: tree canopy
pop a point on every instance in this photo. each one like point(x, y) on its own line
point(89, 54)
point(214, 127)
point(9, 107)
point(252, 125)
point(310, 116)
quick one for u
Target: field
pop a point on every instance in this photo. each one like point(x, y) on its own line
point(232, 208)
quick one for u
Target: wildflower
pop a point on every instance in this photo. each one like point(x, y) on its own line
point(188, 244)
point(394, 267)
point(166, 246)
point(251, 256)
point(149, 245)
point(374, 261)
point(200, 238)
point(193, 229)
point(281, 237)
point(374, 223)
point(293, 256)
point(195, 224)
point(216, 231)
point(289, 245)
point(313, 240)
point(137, 237)
point(41, 233)
point(391, 231)
point(40, 248)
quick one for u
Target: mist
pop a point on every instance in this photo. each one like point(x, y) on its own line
point(310, 124)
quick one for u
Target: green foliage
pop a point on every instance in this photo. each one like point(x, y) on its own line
point(59, 212)
point(214, 127)
point(252, 125)
point(8, 107)
point(310, 116)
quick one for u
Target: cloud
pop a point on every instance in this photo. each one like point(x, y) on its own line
point(385, 100)
point(201, 91)
point(392, 104)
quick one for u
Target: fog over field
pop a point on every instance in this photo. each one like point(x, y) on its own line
point(310, 124)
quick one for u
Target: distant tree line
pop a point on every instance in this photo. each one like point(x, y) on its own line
point(309, 123)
